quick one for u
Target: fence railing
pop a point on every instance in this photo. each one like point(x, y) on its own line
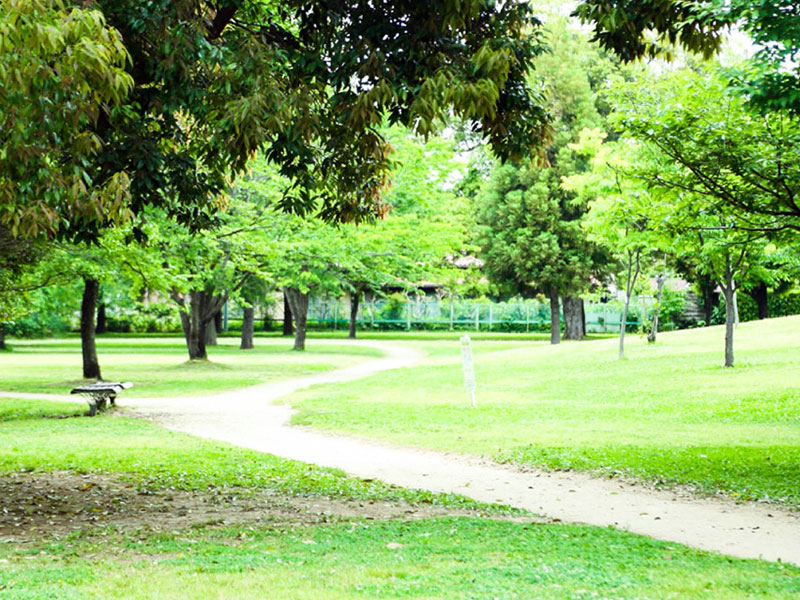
point(425, 313)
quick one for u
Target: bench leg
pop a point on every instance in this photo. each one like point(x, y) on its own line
point(96, 402)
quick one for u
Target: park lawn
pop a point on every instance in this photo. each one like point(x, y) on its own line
point(14, 409)
point(153, 458)
point(669, 413)
point(439, 558)
point(160, 366)
point(481, 552)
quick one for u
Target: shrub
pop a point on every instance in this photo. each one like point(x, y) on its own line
point(785, 304)
point(155, 318)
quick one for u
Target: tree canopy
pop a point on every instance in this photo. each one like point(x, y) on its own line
point(60, 68)
point(206, 85)
point(743, 161)
point(770, 80)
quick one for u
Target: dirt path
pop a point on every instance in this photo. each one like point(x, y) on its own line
point(248, 418)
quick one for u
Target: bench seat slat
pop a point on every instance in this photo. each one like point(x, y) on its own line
point(102, 387)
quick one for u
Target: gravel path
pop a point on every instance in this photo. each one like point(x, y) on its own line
point(249, 418)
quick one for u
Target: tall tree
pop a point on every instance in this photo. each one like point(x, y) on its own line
point(528, 225)
point(620, 213)
point(90, 265)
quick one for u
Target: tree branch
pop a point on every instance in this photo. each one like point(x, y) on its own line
point(221, 19)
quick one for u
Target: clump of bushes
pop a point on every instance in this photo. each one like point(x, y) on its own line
point(157, 317)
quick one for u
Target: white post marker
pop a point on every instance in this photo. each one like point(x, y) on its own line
point(468, 368)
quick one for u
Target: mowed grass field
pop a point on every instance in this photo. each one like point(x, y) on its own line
point(160, 366)
point(114, 508)
point(669, 413)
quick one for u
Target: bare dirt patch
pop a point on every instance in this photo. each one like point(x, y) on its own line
point(37, 506)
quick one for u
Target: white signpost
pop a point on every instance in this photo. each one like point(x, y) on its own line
point(468, 368)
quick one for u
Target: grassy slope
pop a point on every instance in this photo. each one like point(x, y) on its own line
point(159, 366)
point(669, 412)
point(463, 557)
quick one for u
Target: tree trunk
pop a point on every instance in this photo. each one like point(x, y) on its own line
point(623, 323)
point(759, 294)
point(190, 322)
point(298, 302)
point(728, 292)
point(211, 332)
point(707, 285)
point(196, 342)
point(202, 308)
point(735, 305)
point(185, 324)
point(660, 281)
point(730, 320)
point(574, 318)
point(555, 320)
point(355, 298)
point(102, 323)
point(248, 327)
point(630, 285)
point(2, 336)
point(91, 366)
point(218, 321)
point(287, 316)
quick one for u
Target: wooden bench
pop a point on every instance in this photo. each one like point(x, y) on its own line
point(100, 393)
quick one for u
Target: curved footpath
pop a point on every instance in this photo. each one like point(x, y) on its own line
point(248, 418)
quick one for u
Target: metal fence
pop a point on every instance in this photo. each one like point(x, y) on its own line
point(434, 314)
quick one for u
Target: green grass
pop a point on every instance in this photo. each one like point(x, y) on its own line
point(348, 558)
point(157, 459)
point(445, 558)
point(669, 413)
point(12, 409)
point(159, 366)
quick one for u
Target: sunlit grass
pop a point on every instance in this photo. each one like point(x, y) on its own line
point(160, 366)
point(668, 413)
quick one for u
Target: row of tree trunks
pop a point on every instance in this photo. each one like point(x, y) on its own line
point(91, 366)
point(298, 303)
